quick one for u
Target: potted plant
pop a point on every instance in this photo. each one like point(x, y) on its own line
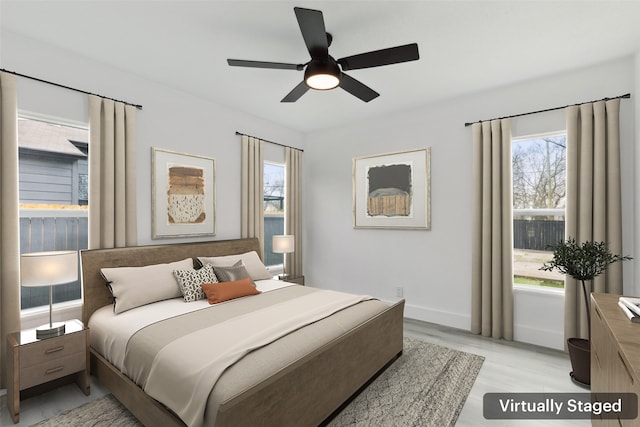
point(582, 262)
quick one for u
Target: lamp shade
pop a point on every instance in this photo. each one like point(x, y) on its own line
point(283, 244)
point(48, 268)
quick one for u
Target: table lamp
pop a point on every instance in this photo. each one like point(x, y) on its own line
point(49, 269)
point(283, 244)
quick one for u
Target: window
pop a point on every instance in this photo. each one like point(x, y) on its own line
point(273, 210)
point(539, 193)
point(53, 188)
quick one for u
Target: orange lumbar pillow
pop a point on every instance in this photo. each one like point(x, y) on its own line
point(218, 292)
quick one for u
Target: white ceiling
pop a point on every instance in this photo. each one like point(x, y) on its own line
point(465, 46)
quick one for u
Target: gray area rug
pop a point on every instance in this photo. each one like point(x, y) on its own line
point(103, 412)
point(427, 386)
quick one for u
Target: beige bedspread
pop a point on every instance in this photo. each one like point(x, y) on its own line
point(197, 348)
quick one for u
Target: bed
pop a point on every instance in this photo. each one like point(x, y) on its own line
point(296, 391)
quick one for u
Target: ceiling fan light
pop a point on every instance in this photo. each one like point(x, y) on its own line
point(322, 75)
point(322, 81)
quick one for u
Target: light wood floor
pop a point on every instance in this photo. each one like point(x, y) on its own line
point(508, 367)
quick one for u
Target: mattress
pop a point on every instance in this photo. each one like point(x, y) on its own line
point(111, 332)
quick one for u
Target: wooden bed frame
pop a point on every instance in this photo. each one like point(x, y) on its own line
point(300, 394)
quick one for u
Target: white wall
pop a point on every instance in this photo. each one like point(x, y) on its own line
point(434, 267)
point(169, 119)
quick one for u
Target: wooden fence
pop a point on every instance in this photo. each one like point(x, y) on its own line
point(273, 225)
point(537, 234)
point(52, 230)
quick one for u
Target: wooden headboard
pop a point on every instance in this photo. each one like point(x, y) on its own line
point(96, 293)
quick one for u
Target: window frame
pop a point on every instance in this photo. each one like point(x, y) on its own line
point(550, 211)
point(32, 315)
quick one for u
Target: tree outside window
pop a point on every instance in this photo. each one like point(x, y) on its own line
point(539, 173)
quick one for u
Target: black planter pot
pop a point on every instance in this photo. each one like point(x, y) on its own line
point(580, 355)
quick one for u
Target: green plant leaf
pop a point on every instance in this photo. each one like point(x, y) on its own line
point(582, 261)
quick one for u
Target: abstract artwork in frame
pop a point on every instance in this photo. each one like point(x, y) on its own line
point(392, 190)
point(183, 195)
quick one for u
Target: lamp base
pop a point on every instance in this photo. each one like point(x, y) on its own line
point(50, 330)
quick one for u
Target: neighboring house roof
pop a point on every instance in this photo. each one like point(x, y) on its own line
point(42, 136)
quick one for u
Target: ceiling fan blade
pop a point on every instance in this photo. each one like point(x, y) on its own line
point(262, 64)
point(313, 31)
point(377, 58)
point(296, 93)
point(355, 88)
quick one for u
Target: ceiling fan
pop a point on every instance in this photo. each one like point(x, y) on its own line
point(323, 72)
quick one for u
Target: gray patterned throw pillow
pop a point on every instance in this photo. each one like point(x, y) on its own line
point(230, 274)
point(190, 281)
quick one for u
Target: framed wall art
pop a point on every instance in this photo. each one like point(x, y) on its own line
point(183, 194)
point(392, 190)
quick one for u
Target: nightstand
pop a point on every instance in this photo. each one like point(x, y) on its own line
point(32, 362)
point(293, 279)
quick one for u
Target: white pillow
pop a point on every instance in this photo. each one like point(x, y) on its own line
point(251, 261)
point(132, 287)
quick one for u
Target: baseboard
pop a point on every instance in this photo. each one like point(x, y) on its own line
point(553, 339)
point(541, 337)
point(440, 317)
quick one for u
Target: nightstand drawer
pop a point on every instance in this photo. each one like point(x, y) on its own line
point(52, 369)
point(50, 349)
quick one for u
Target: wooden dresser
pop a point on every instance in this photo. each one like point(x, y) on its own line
point(615, 353)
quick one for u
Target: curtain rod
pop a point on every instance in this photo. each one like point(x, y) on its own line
point(270, 142)
point(625, 96)
point(139, 107)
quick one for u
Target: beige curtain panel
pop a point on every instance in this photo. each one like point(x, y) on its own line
point(594, 211)
point(9, 216)
point(112, 174)
point(293, 209)
point(492, 235)
point(252, 189)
